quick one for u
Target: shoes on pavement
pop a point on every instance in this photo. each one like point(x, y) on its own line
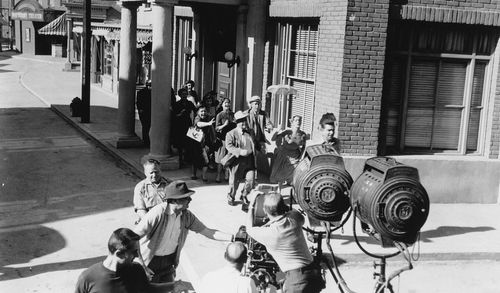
point(194, 178)
point(230, 200)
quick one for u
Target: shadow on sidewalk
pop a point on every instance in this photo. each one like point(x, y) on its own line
point(444, 231)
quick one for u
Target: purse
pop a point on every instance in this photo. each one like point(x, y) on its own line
point(228, 160)
point(195, 133)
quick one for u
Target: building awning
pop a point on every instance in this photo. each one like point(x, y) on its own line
point(111, 31)
point(143, 36)
point(446, 14)
point(55, 28)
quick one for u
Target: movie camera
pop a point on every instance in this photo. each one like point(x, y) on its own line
point(260, 265)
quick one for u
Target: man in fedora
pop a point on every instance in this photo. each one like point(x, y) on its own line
point(258, 122)
point(240, 144)
point(163, 231)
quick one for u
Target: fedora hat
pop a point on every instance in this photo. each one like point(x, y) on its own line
point(240, 116)
point(254, 99)
point(177, 189)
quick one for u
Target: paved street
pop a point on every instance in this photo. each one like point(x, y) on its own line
point(56, 188)
point(62, 197)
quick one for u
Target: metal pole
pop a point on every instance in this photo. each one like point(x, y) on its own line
point(87, 33)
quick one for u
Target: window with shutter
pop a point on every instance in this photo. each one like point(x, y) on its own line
point(296, 55)
point(435, 88)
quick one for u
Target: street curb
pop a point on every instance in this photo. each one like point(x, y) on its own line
point(105, 146)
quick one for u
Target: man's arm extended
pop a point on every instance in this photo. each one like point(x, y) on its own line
point(216, 234)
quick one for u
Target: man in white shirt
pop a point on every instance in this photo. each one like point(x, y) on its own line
point(163, 231)
point(229, 278)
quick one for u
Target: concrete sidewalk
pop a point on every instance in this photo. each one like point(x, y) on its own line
point(453, 232)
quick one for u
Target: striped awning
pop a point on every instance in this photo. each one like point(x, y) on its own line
point(55, 28)
point(143, 36)
point(446, 14)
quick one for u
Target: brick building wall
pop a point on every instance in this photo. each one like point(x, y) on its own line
point(362, 77)
point(332, 17)
point(330, 61)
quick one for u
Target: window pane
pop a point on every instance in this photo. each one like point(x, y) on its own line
point(418, 127)
point(476, 106)
point(422, 83)
point(451, 83)
point(446, 129)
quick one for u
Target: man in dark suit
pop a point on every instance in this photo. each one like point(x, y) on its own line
point(240, 144)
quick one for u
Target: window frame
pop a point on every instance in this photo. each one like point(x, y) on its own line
point(286, 28)
point(407, 57)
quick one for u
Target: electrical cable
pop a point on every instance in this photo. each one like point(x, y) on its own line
point(339, 280)
point(359, 244)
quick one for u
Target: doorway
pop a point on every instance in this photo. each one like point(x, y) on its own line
point(225, 82)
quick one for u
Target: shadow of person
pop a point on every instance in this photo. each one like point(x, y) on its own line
point(10, 273)
point(22, 245)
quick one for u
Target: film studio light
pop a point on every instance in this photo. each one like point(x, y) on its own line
point(321, 184)
point(388, 197)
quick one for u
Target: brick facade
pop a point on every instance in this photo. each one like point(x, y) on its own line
point(351, 57)
point(362, 77)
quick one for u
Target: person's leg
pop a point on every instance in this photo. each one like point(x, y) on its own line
point(233, 185)
point(219, 173)
point(249, 185)
point(204, 173)
point(193, 171)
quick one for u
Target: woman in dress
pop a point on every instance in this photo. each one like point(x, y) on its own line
point(201, 150)
point(223, 124)
point(290, 144)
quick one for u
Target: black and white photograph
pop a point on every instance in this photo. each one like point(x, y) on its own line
point(250, 146)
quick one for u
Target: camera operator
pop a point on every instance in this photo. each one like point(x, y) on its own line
point(284, 240)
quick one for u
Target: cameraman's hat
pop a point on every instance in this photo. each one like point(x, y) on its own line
point(177, 189)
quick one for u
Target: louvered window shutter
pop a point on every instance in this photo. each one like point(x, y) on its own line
point(302, 72)
point(393, 99)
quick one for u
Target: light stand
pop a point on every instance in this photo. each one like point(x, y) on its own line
point(382, 282)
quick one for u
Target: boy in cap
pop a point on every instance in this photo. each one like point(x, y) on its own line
point(163, 231)
point(239, 143)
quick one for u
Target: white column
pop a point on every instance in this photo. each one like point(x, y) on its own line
point(241, 51)
point(256, 31)
point(161, 83)
point(127, 76)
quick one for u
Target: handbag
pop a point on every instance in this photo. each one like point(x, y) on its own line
point(195, 133)
point(228, 160)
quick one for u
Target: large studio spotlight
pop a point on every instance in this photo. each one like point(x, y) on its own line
point(321, 184)
point(388, 196)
